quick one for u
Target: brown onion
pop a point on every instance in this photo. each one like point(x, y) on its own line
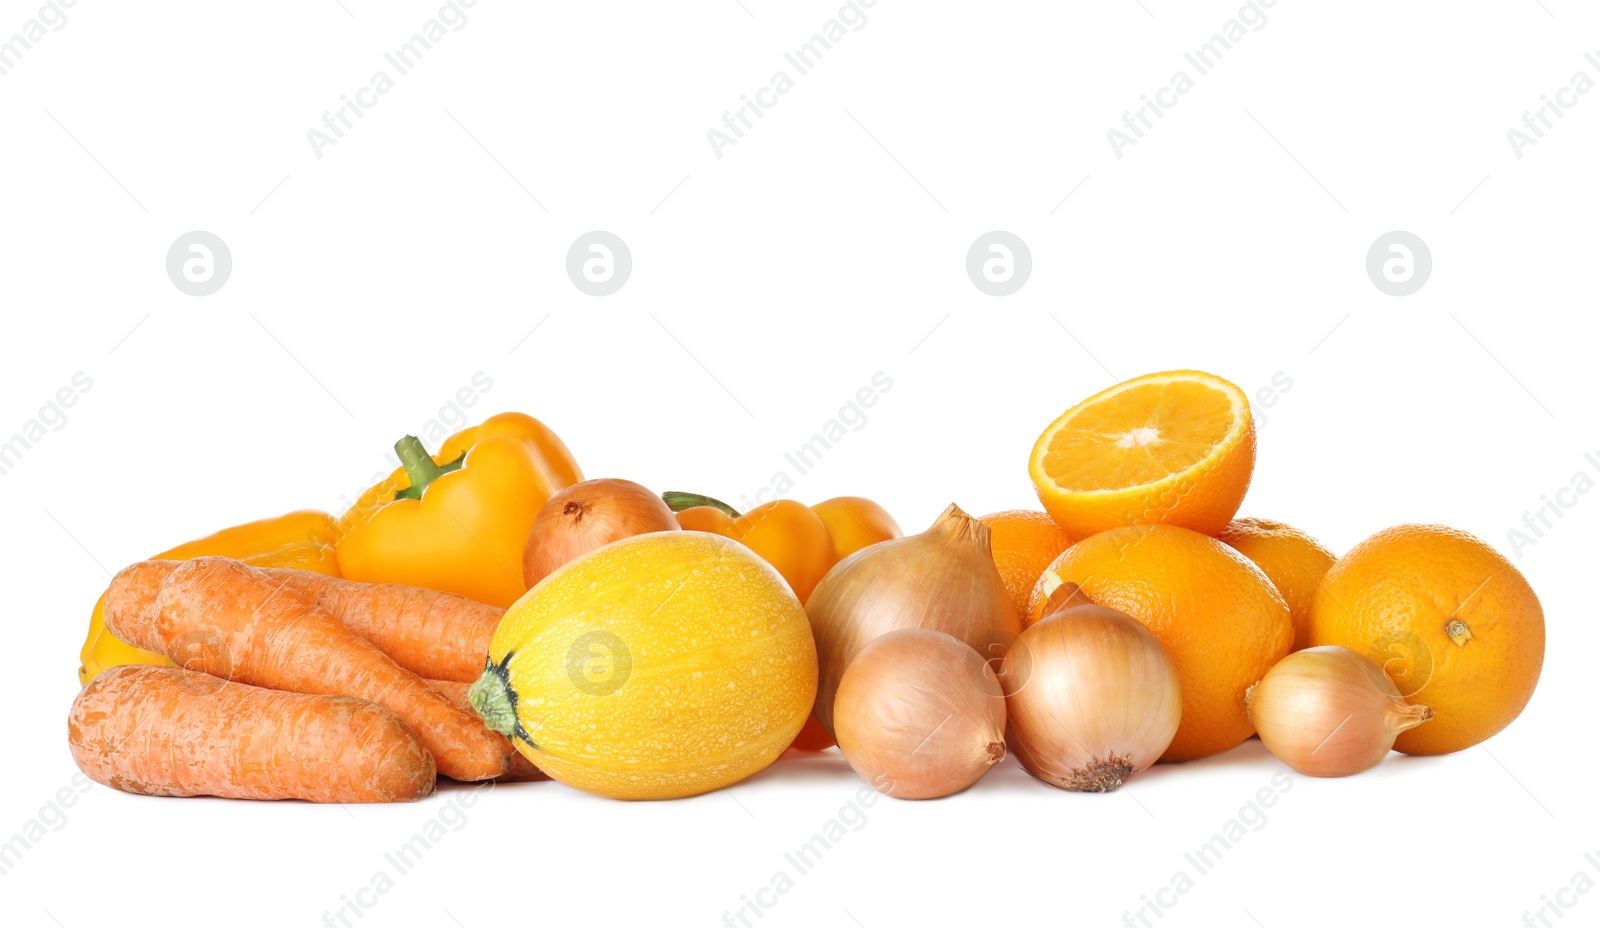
point(943, 579)
point(920, 715)
point(1329, 711)
point(1092, 698)
point(589, 515)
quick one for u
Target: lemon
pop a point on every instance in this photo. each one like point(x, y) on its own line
point(659, 666)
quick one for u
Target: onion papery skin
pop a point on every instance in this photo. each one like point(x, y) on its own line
point(1330, 712)
point(588, 516)
point(920, 715)
point(943, 579)
point(1092, 698)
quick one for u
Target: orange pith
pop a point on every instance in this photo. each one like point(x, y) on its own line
point(1175, 448)
point(1139, 436)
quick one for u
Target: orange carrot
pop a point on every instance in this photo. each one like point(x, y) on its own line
point(521, 767)
point(235, 621)
point(436, 635)
point(165, 731)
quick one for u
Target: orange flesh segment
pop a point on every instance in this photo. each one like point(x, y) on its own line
point(1139, 436)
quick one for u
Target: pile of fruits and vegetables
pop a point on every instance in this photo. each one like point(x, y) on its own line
point(487, 613)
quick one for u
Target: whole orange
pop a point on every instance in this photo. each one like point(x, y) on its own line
point(1456, 626)
point(1215, 612)
point(1023, 542)
point(1291, 559)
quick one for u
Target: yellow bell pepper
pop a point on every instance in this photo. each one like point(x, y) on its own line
point(301, 540)
point(458, 521)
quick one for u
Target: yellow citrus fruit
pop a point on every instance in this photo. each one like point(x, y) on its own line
point(1023, 542)
point(1291, 559)
point(1216, 613)
point(659, 666)
point(1175, 448)
point(1456, 626)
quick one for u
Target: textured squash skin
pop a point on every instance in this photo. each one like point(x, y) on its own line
point(659, 666)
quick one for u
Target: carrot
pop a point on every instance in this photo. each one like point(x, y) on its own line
point(436, 635)
point(165, 731)
point(521, 767)
point(235, 621)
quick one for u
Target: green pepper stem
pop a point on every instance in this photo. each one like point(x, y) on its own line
point(419, 466)
point(678, 501)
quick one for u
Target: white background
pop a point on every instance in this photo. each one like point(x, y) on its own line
point(768, 286)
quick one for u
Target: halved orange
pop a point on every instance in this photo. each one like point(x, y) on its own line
point(1174, 448)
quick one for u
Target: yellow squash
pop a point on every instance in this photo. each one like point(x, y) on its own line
point(660, 666)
